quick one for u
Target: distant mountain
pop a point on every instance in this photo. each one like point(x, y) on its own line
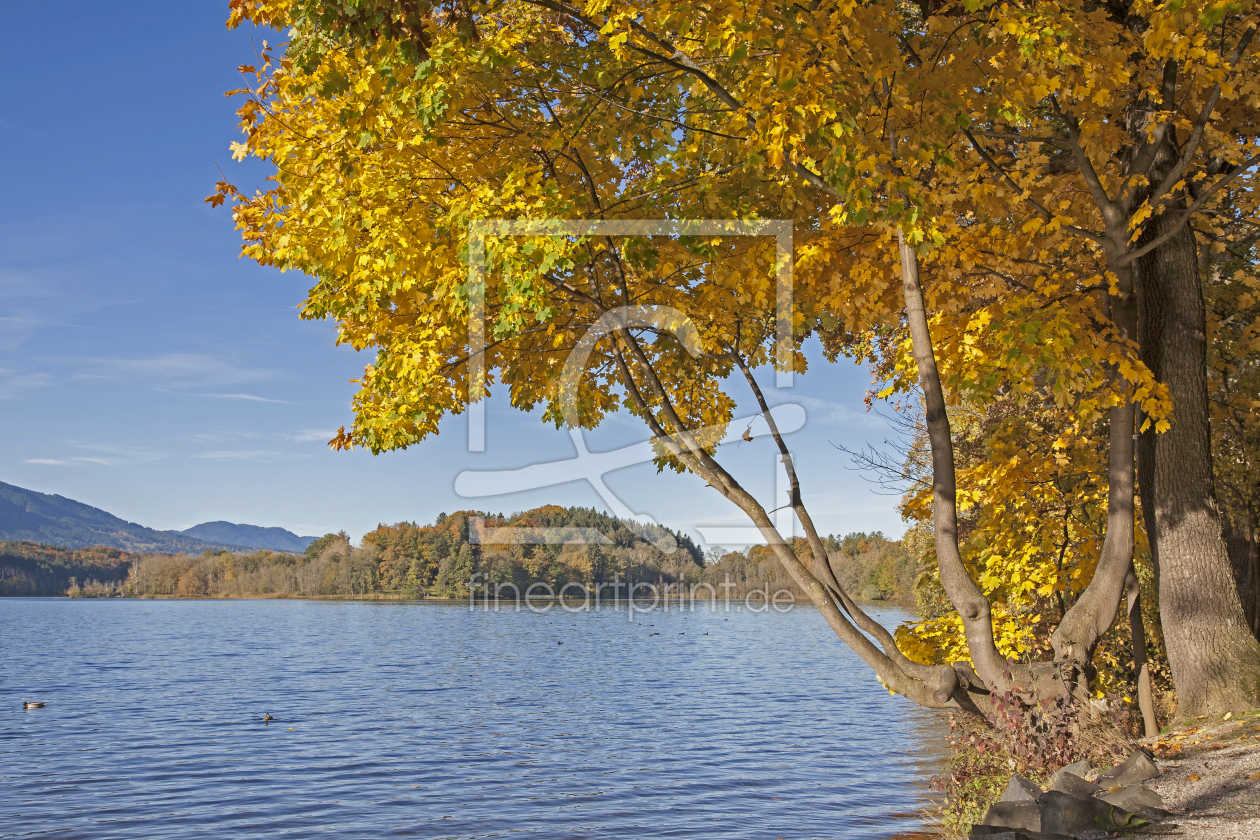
point(255, 536)
point(58, 521)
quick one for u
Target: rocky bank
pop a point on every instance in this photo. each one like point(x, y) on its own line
point(1200, 782)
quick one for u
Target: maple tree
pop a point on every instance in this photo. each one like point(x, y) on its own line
point(1021, 161)
point(1031, 529)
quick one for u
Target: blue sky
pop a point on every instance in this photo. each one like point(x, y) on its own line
point(146, 370)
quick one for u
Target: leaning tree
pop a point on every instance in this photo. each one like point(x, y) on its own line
point(1029, 161)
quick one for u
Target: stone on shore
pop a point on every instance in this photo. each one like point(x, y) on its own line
point(1133, 797)
point(1140, 800)
point(1063, 813)
point(1136, 769)
point(990, 832)
point(1072, 784)
point(1077, 768)
point(1020, 789)
point(1021, 816)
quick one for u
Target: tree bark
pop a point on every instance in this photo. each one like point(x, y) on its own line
point(1214, 657)
point(1244, 558)
point(963, 592)
point(1077, 635)
point(1137, 630)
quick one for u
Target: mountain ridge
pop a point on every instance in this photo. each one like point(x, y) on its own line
point(56, 520)
point(254, 536)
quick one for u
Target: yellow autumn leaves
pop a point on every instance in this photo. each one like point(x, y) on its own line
point(850, 119)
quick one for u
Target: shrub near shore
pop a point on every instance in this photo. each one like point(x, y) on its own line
point(983, 759)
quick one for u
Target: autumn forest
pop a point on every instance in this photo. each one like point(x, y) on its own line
point(442, 560)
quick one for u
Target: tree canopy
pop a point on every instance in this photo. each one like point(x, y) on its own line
point(976, 189)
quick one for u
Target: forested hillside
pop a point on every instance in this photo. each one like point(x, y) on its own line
point(442, 557)
point(405, 559)
point(549, 545)
point(27, 568)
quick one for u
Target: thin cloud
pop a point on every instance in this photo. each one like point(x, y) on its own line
point(101, 455)
point(12, 383)
point(220, 437)
point(39, 323)
point(824, 411)
point(77, 461)
point(48, 299)
point(262, 455)
point(249, 397)
point(136, 453)
point(32, 303)
point(19, 287)
point(310, 436)
point(174, 370)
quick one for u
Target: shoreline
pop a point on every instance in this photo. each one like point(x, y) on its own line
point(394, 596)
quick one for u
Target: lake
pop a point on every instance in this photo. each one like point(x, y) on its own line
point(425, 719)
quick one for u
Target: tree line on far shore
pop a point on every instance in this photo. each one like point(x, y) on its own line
point(440, 560)
point(873, 567)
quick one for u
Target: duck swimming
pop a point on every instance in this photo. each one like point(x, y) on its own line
point(267, 716)
point(29, 705)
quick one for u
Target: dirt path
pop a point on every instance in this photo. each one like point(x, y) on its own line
point(1211, 779)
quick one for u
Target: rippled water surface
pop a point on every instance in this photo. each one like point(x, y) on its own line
point(428, 720)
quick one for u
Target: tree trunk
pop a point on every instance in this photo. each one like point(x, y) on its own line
point(1244, 558)
point(1215, 659)
point(973, 607)
point(1077, 636)
point(1137, 630)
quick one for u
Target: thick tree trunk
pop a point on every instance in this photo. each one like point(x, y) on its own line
point(1214, 657)
point(1244, 558)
